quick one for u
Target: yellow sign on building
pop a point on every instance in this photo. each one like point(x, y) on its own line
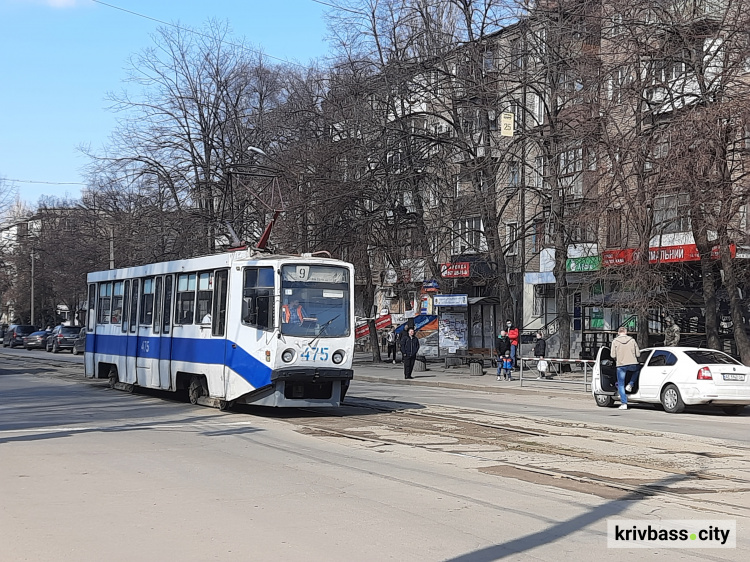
point(507, 124)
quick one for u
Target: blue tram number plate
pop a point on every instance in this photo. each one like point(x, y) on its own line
point(315, 354)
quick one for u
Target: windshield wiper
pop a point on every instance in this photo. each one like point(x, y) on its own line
point(322, 329)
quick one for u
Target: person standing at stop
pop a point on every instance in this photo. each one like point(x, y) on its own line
point(409, 351)
point(513, 335)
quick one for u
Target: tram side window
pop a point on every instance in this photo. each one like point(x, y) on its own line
point(147, 302)
point(117, 303)
point(105, 302)
point(157, 306)
point(91, 317)
point(258, 297)
point(185, 302)
point(205, 295)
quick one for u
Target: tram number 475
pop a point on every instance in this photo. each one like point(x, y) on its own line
point(315, 353)
point(144, 346)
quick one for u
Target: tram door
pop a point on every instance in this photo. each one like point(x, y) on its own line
point(165, 341)
point(147, 350)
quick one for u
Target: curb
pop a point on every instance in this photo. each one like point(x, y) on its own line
point(476, 388)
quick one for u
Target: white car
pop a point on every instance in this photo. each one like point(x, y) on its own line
point(675, 377)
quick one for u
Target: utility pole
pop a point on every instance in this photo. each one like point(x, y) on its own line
point(31, 321)
point(111, 247)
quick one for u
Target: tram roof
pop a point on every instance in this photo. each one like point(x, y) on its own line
point(212, 261)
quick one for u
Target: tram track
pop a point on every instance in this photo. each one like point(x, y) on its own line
point(497, 443)
point(394, 423)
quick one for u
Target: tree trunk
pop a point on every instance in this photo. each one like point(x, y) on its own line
point(735, 304)
point(708, 278)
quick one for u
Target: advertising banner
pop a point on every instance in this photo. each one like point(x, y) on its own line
point(664, 254)
point(458, 269)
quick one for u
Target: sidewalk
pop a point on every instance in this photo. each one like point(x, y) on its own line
point(459, 378)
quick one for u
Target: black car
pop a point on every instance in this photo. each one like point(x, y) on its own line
point(62, 337)
point(79, 346)
point(15, 334)
point(37, 340)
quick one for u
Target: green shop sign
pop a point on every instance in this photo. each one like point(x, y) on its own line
point(586, 263)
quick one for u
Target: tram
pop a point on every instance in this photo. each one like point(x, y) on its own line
point(238, 327)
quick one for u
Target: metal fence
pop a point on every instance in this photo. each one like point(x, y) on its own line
point(567, 372)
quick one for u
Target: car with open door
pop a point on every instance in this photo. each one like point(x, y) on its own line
point(674, 377)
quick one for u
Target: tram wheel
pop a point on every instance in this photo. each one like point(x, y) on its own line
point(113, 378)
point(225, 404)
point(195, 390)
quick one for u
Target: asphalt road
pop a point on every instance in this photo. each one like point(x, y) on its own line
point(87, 473)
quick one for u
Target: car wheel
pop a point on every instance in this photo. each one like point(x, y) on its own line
point(55, 349)
point(732, 410)
point(74, 351)
point(604, 400)
point(671, 400)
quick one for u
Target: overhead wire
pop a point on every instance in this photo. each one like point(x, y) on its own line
point(193, 31)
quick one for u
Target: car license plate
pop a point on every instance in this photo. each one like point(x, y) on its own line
point(733, 377)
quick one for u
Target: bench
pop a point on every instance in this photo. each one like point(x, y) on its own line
point(475, 361)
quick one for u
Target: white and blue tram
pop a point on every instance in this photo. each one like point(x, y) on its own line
point(237, 327)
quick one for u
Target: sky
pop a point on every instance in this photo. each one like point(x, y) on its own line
point(59, 58)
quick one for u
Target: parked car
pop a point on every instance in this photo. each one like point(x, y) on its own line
point(15, 334)
point(62, 337)
point(675, 377)
point(36, 340)
point(79, 345)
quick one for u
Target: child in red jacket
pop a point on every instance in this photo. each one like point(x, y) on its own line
point(513, 335)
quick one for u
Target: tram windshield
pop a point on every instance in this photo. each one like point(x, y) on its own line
point(315, 301)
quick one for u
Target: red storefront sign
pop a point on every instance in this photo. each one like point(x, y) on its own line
point(380, 323)
point(664, 254)
point(383, 322)
point(458, 269)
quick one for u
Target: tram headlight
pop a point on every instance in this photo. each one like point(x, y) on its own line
point(338, 357)
point(287, 356)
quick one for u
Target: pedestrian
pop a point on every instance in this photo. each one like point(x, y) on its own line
point(409, 351)
point(625, 352)
point(501, 346)
point(391, 341)
point(540, 345)
point(507, 367)
point(671, 333)
point(513, 335)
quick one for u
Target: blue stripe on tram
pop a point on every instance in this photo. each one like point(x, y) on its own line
point(190, 350)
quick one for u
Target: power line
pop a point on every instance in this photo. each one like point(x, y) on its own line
point(188, 30)
point(45, 182)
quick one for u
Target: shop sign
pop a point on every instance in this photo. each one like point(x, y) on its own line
point(585, 263)
point(451, 270)
point(664, 254)
point(450, 300)
point(383, 322)
point(361, 331)
point(430, 286)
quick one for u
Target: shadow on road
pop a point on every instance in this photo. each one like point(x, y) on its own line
point(566, 528)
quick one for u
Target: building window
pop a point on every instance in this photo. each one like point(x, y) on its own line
point(672, 213)
point(488, 61)
point(614, 228)
point(514, 175)
point(511, 238)
point(468, 236)
point(537, 237)
point(517, 59)
point(571, 166)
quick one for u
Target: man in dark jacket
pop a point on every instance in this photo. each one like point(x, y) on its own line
point(409, 351)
